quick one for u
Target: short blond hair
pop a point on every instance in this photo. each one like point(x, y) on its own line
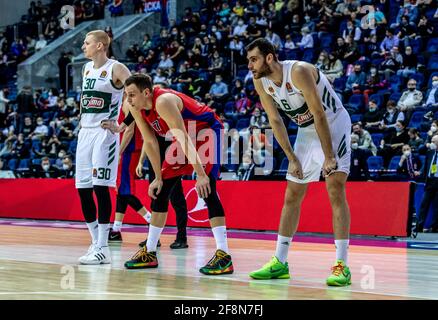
point(100, 36)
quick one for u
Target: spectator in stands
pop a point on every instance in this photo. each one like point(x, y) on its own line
point(274, 38)
point(3, 105)
point(41, 43)
point(133, 53)
point(359, 167)
point(365, 140)
point(373, 83)
point(415, 141)
point(352, 54)
point(371, 46)
point(351, 30)
point(389, 42)
point(160, 77)
point(6, 152)
point(46, 170)
point(295, 26)
point(410, 99)
point(236, 46)
point(25, 102)
point(397, 55)
point(239, 29)
point(323, 61)
point(409, 10)
point(216, 63)
point(21, 148)
point(246, 168)
point(432, 95)
point(309, 24)
point(335, 68)
point(289, 44)
point(258, 120)
point(306, 41)
point(176, 52)
point(218, 90)
point(431, 133)
point(391, 145)
point(430, 174)
point(238, 9)
point(356, 80)
point(257, 145)
point(116, 8)
point(424, 28)
point(372, 119)
point(392, 116)
point(409, 165)
point(388, 66)
point(41, 130)
point(253, 31)
point(409, 64)
point(165, 62)
point(66, 131)
point(146, 44)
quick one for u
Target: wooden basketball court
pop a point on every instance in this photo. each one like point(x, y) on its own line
point(40, 262)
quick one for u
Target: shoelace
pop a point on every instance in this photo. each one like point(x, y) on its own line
point(269, 264)
point(213, 260)
point(338, 269)
point(143, 255)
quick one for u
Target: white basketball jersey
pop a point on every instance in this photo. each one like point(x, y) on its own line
point(100, 98)
point(289, 99)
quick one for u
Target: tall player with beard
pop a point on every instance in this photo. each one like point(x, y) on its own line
point(323, 142)
point(98, 149)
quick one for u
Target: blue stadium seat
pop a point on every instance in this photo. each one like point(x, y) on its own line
point(377, 137)
point(36, 162)
point(393, 164)
point(419, 77)
point(24, 164)
point(356, 118)
point(242, 124)
point(423, 161)
point(356, 102)
point(12, 164)
point(395, 96)
point(379, 99)
point(432, 45)
point(308, 55)
point(415, 43)
point(339, 83)
point(229, 107)
point(326, 41)
point(433, 63)
point(375, 163)
point(72, 147)
point(416, 119)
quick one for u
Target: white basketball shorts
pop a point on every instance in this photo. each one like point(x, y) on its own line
point(309, 152)
point(97, 157)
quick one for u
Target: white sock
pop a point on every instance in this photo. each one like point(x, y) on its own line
point(147, 217)
point(342, 250)
point(153, 237)
point(102, 241)
point(282, 250)
point(92, 228)
point(117, 226)
point(220, 236)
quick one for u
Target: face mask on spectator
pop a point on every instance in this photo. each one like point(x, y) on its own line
point(307, 18)
point(435, 83)
point(391, 111)
point(61, 154)
point(46, 167)
point(240, 23)
point(372, 109)
point(433, 128)
point(407, 153)
point(245, 165)
point(398, 129)
point(65, 166)
point(354, 145)
point(373, 72)
point(432, 146)
point(39, 123)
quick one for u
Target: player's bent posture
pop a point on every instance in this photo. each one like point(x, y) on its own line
point(323, 142)
point(98, 149)
point(169, 112)
point(130, 150)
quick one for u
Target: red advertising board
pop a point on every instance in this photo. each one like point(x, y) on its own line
point(377, 208)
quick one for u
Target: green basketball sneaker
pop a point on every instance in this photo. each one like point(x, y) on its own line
point(274, 269)
point(340, 276)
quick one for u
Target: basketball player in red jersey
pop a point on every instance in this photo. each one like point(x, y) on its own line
point(130, 150)
point(168, 112)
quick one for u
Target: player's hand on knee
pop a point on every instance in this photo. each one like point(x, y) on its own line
point(295, 169)
point(155, 188)
point(203, 186)
point(330, 165)
point(139, 170)
point(111, 125)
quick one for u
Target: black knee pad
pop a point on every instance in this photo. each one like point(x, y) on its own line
point(121, 203)
point(104, 203)
point(87, 204)
point(214, 205)
point(134, 202)
point(161, 203)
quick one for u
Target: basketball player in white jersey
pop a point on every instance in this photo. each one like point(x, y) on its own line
point(323, 143)
point(97, 152)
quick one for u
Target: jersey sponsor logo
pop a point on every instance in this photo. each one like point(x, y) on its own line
point(94, 173)
point(87, 72)
point(271, 90)
point(90, 102)
point(302, 118)
point(156, 126)
point(103, 74)
point(289, 88)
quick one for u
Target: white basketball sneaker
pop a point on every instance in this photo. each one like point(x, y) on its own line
point(100, 255)
point(90, 250)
